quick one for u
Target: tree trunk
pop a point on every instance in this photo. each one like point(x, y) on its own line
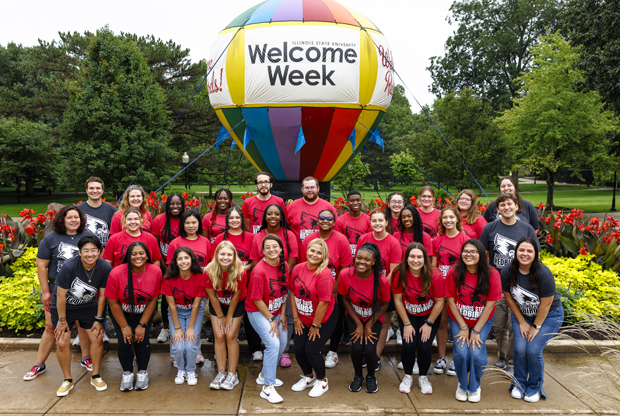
point(515, 175)
point(210, 190)
point(29, 187)
point(550, 183)
point(19, 187)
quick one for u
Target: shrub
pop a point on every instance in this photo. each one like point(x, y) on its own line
point(584, 285)
point(20, 295)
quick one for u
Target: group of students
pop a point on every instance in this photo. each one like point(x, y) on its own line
point(301, 271)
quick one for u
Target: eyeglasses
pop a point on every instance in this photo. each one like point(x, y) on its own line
point(323, 217)
point(464, 199)
point(397, 202)
point(263, 183)
point(132, 187)
point(470, 252)
point(309, 188)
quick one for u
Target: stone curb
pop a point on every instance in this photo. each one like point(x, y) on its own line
point(555, 346)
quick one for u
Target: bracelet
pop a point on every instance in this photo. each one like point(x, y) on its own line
point(62, 320)
point(122, 330)
point(220, 317)
point(429, 323)
point(294, 319)
point(475, 332)
point(99, 318)
point(176, 329)
point(407, 324)
point(463, 328)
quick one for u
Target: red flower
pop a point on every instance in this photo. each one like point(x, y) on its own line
point(164, 198)
point(26, 214)
point(549, 240)
point(30, 230)
point(1, 247)
point(185, 195)
point(583, 251)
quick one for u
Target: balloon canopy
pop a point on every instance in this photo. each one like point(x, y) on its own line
point(303, 84)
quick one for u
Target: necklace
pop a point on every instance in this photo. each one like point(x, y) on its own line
point(91, 272)
point(138, 276)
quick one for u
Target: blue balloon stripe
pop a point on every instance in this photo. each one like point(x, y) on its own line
point(257, 120)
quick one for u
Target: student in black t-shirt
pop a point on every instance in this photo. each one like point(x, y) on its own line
point(537, 314)
point(98, 212)
point(79, 297)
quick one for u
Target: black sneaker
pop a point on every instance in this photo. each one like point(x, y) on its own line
point(371, 384)
point(378, 365)
point(356, 384)
point(344, 340)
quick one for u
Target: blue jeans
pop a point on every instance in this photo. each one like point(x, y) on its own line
point(185, 353)
point(274, 346)
point(470, 361)
point(528, 356)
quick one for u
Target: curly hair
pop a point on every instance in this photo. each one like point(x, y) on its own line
point(418, 225)
point(214, 209)
point(226, 230)
point(373, 249)
point(58, 223)
point(283, 224)
point(125, 199)
point(174, 271)
point(215, 272)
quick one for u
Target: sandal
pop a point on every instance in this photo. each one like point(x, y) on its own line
point(285, 361)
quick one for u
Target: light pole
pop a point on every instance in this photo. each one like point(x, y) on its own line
point(185, 159)
point(613, 201)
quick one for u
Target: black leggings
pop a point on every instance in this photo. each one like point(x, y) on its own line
point(367, 350)
point(126, 350)
point(164, 311)
point(424, 348)
point(339, 329)
point(308, 353)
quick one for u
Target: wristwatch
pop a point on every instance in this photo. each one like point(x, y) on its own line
point(273, 318)
point(142, 324)
point(536, 326)
point(316, 326)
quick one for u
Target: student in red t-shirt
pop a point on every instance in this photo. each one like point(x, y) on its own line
point(302, 214)
point(391, 255)
point(395, 204)
point(190, 235)
point(473, 222)
point(419, 299)
point(184, 293)
point(314, 316)
point(472, 288)
point(428, 213)
point(225, 281)
point(266, 307)
point(411, 229)
point(365, 292)
point(355, 223)
point(339, 257)
point(446, 251)
point(254, 207)
point(214, 223)
point(134, 197)
point(132, 291)
point(115, 251)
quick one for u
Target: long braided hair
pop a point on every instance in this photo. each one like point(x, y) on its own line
point(418, 226)
point(166, 234)
point(283, 224)
point(214, 210)
point(282, 265)
point(240, 212)
point(373, 249)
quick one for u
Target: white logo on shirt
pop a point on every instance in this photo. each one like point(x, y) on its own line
point(276, 303)
point(98, 227)
point(504, 250)
point(65, 252)
point(304, 306)
point(528, 302)
point(80, 292)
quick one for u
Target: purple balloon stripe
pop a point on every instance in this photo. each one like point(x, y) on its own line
point(288, 10)
point(285, 124)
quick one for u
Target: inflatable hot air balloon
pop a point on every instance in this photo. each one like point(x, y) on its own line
point(303, 85)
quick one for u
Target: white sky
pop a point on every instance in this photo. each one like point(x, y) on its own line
point(416, 29)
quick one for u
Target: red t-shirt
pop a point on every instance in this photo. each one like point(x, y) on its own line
point(448, 250)
point(389, 248)
point(404, 239)
point(267, 285)
point(254, 209)
point(224, 295)
point(119, 243)
point(360, 292)
point(184, 291)
point(394, 225)
point(414, 303)
point(338, 248)
point(469, 304)
point(200, 246)
point(430, 221)
point(157, 229)
point(353, 228)
point(302, 217)
point(310, 289)
point(218, 228)
point(145, 288)
point(242, 242)
point(115, 225)
point(474, 230)
point(257, 243)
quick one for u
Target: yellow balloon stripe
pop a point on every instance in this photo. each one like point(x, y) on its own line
point(316, 105)
point(368, 61)
point(235, 68)
point(237, 140)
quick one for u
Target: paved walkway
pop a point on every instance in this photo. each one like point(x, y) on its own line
point(572, 382)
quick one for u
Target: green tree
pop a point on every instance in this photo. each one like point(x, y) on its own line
point(403, 167)
point(210, 169)
point(466, 121)
point(489, 49)
point(28, 153)
point(553, 125)
point(352, 176)
point(116, 117)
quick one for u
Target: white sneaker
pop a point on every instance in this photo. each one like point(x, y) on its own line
point(192, 378)
point(405, 385)
point(533, 398)
point(200, 359)
point(304, 383)
point(516, 393)
point(331, 360)
point(105, 338)
point(416, 369)
point(434, 344)
point(399, 337)
point(142, 380)
point(76, 341)
point(400, 365)
point(257, 356)
point(180, 378)
point(461, 395)
point(163, 335)
point(319, 388)
point(260, 380)
point(390, 334)
point(127, 381)
point(231, 381)
point(217, 381)
point(425, 386)
point(474, 397)
point(270, 394)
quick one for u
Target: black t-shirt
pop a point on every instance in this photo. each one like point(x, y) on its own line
point(500, 240)
point(98, 219)
point(528, 299)
point(81, 293)
point(58, 248)
point(528, 214)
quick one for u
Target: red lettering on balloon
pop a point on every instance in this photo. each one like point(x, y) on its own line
point(388, 63)
point(389, 84)
point(213, 86)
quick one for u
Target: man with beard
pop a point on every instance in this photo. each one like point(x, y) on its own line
point(303, 214)
point(254, 207)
